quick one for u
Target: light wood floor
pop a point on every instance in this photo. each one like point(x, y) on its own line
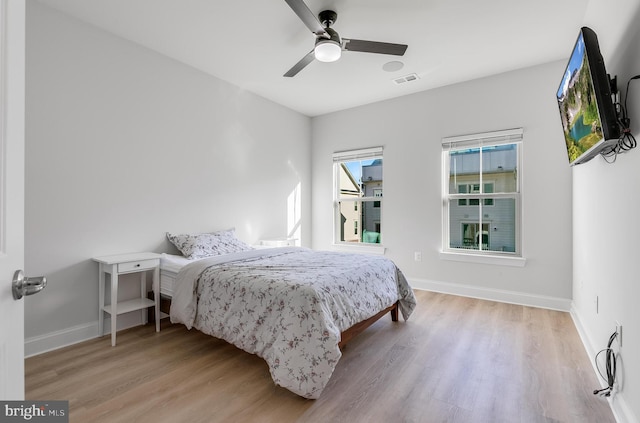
point(455, 360)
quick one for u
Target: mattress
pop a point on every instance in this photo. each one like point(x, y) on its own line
point(170, 265)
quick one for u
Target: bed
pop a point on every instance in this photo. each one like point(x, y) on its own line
point(292, 306)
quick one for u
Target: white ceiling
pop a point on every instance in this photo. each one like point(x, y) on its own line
point(252, 43)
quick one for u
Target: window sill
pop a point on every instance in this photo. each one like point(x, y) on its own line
point(361, 248)
point(483, 259)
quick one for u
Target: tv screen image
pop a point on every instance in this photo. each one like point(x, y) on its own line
point(584, 97)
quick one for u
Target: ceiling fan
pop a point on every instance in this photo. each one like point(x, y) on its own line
point(328, 47)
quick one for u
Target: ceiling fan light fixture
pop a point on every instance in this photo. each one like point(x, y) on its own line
point(327, 50)
point(328, 46)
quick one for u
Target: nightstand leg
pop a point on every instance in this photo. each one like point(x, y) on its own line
point(114, 305)
point(156, 295)
point(101, 300)
point(143, 294)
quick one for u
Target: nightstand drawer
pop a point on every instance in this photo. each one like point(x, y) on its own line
point(135, 266)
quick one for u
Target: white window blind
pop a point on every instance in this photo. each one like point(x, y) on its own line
point(508, 136)
point(362, 154)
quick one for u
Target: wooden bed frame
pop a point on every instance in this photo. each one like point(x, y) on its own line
point(345, 336)
point(354, 330)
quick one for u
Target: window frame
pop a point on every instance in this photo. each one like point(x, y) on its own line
point(338, 159)
point(472, 141)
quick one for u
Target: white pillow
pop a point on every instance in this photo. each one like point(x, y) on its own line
point(194, 246)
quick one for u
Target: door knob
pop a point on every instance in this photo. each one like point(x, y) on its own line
point(22, 286)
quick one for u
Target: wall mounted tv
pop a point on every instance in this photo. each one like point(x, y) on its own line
point(587, 109)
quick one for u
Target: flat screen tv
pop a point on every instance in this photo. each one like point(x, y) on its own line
point(587, 110)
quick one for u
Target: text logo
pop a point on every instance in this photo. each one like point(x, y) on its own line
point(34, 411)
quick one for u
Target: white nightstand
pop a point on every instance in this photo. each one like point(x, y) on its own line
point(277, 242)
point(121, 264)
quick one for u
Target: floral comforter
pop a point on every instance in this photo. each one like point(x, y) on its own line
point(288, 306)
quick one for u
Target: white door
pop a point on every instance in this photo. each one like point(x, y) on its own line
point(12, 75)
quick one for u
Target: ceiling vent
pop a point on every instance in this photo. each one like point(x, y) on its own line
point(407, 78)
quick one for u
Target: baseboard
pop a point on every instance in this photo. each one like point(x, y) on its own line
point(52, 341)
point(503, 296)
point(621, 410)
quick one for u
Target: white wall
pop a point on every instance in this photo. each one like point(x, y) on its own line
point(124, 144)
point(411, 128)
point(606, 198)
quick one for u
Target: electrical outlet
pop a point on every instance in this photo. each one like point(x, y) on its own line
point(619, 332)
point(417, 256)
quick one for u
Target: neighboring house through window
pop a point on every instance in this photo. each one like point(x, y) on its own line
point(482, 193)
point(358, 196)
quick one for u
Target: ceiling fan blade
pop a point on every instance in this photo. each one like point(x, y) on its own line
point(307, 16)
point(300, 65)
point(374, 47)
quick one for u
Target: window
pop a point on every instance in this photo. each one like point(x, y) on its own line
point(481, 193)
point(377, 192)
point(358, 196)
point(475, 188)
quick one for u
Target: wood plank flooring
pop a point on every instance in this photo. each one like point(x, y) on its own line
point(456, 360)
